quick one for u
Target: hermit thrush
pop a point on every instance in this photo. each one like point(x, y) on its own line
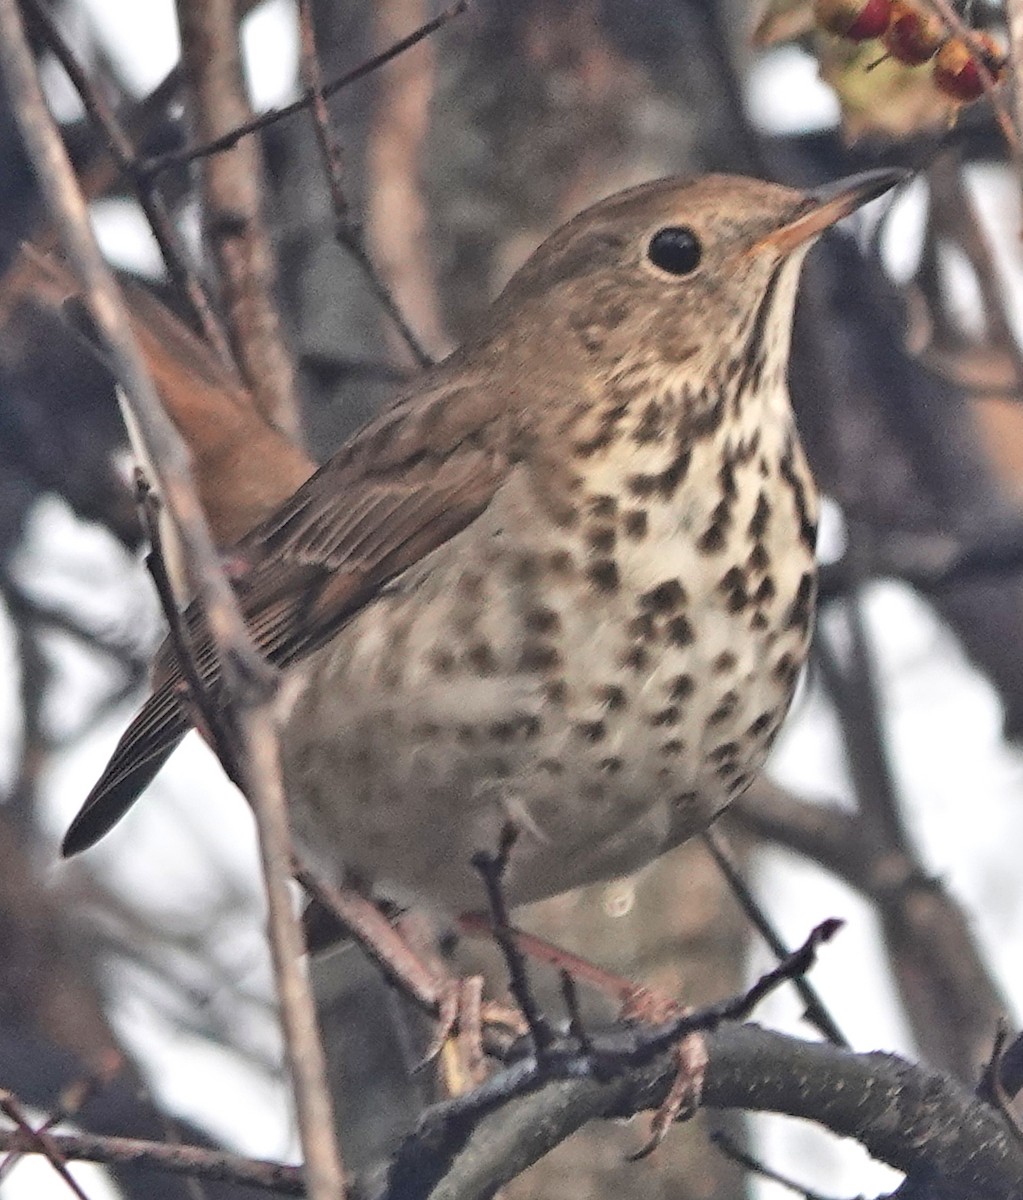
point(566, 580)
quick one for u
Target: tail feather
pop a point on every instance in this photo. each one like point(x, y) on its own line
point(148, 742)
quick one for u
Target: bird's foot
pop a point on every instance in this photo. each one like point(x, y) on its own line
point(403, 952)
point(637, 1005)
point(644, 1006)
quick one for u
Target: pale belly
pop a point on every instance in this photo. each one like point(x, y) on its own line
point(608, 716)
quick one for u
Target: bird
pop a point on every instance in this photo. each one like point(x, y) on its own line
point(564, 582)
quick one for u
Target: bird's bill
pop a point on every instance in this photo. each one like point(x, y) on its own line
point(826, 205)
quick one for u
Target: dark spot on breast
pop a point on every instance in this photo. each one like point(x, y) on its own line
point(724, 662)
point(635, 524)
point(526, 726)
point(665, 482)
point(713, 537)
point(679, 631)
point(703, 412)
point(607, 431)
point(758, 560)
point(761, 516)
point(591, 731)
point(611, 765)
point(650, 427)
point(786, 668)
point(643, 627)
point(613, 696)
point(593, 790)
point(542, 620)
point(551, 766)
point(604, 507)
point(746, 449)
point(726, 478)
point(672, 747)
point(800, 610)
point(604, 574)
point(666, 716)
point(539, 656)
point(601, 539)
point(799, 484)
point(761, 724)
point(560, 563)
point(682, 799)
point(726, 752)
point(482, 658)
point(665, 597)
point(758, 620)
point(765, 592)
point(726, 708)
point(733, 587)
point(442, 660)
point(467, 734)
point(682, 687)
point(556, 691)
point(525, 569)
point(635, 658)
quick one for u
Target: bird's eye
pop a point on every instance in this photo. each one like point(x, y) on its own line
point(675, 249)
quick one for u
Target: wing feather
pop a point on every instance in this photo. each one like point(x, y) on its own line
point(386, 500)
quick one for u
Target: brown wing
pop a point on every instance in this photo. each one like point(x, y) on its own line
point(403, 487)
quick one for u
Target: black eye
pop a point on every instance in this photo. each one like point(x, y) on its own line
point(675, 249)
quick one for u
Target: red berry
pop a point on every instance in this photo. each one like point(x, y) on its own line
point(858, 20)
point(955, 68)
point(912, 36)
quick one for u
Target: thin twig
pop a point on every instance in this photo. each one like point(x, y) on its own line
point(123, 153)
point(991, 1088)
point(491, 868)
point(816, 1011)
point(213, 1165)
point(41, 1141)
point(177, 157)
point(346, 230)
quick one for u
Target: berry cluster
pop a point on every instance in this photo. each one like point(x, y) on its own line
point(914, 36)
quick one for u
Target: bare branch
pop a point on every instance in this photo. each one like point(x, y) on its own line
point(232, 209)
point(227, 140)
point(123, 153)
point(346, 229)
point(815, 1010)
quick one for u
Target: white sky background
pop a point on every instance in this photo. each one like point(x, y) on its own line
point(187, 855)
